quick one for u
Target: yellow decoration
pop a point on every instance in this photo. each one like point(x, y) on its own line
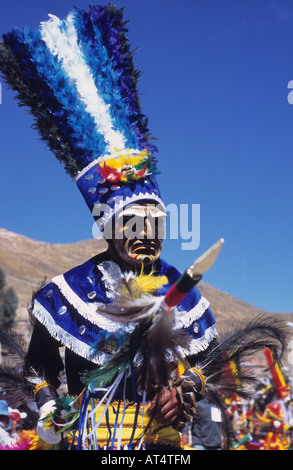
point(145, 284)
point(38, 387)
point(201, 376)
point(129, 419)
point(123, 159)
point(165, 436)
point(180, 369)
point(148, 284)
point(37, 443)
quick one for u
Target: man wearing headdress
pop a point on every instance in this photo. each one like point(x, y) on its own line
point(125, 350)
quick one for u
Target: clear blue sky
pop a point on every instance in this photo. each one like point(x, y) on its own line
point(215, 91)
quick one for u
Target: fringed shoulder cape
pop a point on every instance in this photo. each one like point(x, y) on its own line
point(67, 314)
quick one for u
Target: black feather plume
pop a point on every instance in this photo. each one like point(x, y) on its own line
point(160, 349)
point(155, 344)
point(28, 96)
point(17, 377)
point(14, 343)
point(245, 338)
point(224, 366)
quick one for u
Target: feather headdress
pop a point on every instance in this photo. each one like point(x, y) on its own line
point(78, 79)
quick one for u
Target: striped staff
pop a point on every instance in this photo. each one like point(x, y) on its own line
point(192, 275)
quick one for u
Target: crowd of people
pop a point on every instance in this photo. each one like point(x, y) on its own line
point(17, 426)
point(263, 423)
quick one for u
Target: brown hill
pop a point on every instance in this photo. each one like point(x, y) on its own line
point(27, 262)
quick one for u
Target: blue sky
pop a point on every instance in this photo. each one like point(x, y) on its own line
point(215, 90)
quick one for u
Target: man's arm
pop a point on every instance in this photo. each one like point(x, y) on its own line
point(43, 355)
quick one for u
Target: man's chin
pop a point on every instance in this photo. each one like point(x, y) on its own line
point(145, 259)
point(139, 260)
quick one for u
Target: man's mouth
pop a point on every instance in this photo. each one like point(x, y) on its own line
point(144, 247)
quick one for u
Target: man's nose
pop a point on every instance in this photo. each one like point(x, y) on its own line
point(148, 229)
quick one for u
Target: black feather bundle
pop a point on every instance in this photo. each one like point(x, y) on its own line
point(225, 366)
point(17, 377)
point(243, 340)
point(28, 96)
point(154, 345)
point(160, 351)
point(152, 348)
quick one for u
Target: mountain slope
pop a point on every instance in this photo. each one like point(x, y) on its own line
point(27, 262)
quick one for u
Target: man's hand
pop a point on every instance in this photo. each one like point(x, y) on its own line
point(167, 407)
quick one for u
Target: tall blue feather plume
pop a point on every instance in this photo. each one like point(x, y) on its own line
point(61, 116)
point(101, 62)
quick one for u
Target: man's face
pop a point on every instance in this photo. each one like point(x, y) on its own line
point(138, 234)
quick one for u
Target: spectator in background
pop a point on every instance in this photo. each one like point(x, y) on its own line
point(206, 428)
point(16, 421)
point(5, 416)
